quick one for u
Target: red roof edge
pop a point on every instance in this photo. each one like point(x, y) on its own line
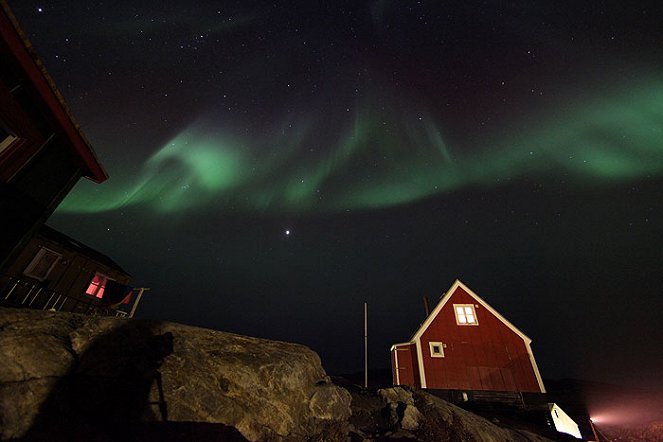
point(42, 81)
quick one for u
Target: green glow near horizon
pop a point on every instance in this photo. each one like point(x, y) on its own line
point(382, 159)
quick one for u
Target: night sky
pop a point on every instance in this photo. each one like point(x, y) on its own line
point(273, 165)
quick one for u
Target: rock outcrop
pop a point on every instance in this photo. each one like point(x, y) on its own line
point(402, 411)
point(399, 413)
point(445, 421)
point(65, 374)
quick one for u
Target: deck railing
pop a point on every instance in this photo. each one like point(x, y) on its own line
point(16, 292)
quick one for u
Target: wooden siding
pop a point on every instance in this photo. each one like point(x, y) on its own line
point(407, 366)
point(487, 356)
point(48, 177)
point(71, 275)
point(48, 154)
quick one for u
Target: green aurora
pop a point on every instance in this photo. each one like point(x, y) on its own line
point(384, 158)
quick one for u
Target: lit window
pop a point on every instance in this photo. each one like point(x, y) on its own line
point(42, 264)
point(436, 349)
point(465, 314)
point(97, 286)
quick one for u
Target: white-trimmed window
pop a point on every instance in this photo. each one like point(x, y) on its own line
point(436, 349)
point(465, 314)
point(42, 264)
point(97, 285)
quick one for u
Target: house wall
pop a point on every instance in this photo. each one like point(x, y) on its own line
point(43, 152)
point(38, 168)
point(403, 359)
point(70, 276)
point(32, 196)
point(487, 356)
point(49, 172)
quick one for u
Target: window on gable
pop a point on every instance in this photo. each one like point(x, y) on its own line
point(436, 349)
point(42, 264)
point(97, 286)
point(465, 314)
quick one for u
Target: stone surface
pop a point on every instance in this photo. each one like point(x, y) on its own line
point(396, 394)
point(65, 372)
point(445, 421)
point(411, 414)
point(411, 418)
point(330, 403)
point(400, 404)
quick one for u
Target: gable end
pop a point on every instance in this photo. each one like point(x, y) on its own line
point(447, 297)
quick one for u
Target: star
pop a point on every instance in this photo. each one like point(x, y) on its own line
point(287, 232)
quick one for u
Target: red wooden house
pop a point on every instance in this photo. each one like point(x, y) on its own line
point(464, 344)
point(43, 152)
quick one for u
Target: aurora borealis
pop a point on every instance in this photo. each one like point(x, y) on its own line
point(517, 147)
point(612, 139)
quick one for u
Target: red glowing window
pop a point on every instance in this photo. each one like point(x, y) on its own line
point(97, 286)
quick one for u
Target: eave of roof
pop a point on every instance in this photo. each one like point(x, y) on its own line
point(42, 81)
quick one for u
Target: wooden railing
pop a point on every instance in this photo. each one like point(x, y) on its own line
point(15, 292)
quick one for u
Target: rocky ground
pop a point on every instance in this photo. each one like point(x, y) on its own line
point(71, 377)
point(403, 414)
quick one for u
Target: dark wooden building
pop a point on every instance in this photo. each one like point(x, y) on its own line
point(56, 272)
point(43, 152)
point(464, 344)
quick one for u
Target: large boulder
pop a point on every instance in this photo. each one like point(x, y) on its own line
point(65, 374)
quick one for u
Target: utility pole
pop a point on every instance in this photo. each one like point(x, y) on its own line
point(365, 345)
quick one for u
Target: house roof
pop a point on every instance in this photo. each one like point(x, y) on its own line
point(34, 70)
point(448, 295)
point(70, 243)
